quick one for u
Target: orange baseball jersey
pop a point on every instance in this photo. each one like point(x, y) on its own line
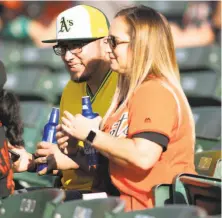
point(154, 109)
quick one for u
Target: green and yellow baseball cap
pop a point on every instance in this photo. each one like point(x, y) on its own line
point(80, 23)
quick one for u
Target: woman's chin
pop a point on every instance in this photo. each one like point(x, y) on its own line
point(114, 67)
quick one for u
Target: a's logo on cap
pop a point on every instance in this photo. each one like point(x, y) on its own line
point(65, 25)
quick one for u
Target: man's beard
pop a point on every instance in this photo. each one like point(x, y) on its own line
point(82, 78)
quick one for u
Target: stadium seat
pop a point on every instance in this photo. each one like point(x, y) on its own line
point(27, 179)
point(206, 162)
point(97, 208)
point(34, 204)
point(169, 211)
point(198, 93)
point(207, 127)
point(218, 170)
point(60, 80)
point(200, 74)
point(45, 57)
point(207, 57)
point(198, 190)
point(10, 53)
point(31, 84)
point(35, 116)
point(163, 195)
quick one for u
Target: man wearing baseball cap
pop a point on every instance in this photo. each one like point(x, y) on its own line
point(80, 33)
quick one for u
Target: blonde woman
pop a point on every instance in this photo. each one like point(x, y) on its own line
point(148, 132)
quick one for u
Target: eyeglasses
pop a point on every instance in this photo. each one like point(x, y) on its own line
point(113, 41)
point(60, 50)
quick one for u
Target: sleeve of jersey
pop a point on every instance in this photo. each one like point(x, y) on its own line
point(153, 109)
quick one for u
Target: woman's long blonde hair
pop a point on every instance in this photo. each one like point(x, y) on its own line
point(153, 53)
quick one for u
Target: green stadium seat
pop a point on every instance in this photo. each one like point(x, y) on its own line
point(163, 195)
point(97, 208)
point(207, 57)
point(198, 190)
point(218, 170)
point(34, 204)
point(60, 80)
point(34, 115)
point(32, 56)
point(27, 179)
point(194, 85)
point(207, 127)
point(200, 74)
point(10, 53)
point(206, 162)
point(169, 211)
point(31, 84)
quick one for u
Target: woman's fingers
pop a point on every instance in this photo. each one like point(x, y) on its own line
point(66, 122)
point(69, 116)
point(63, 146)
point(63, 140)
point(67, 130)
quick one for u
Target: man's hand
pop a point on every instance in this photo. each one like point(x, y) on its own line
point(24, 162)
point(50, 153)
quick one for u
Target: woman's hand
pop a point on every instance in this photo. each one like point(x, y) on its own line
point(66, 143)
point(62, 137)
point(78, 126)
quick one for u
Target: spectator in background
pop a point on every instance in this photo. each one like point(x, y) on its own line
point(11, 130)
point(20, 21)
point(197, 27)
point(148, 132)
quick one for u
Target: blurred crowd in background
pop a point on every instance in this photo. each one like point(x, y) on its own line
point(194, 23)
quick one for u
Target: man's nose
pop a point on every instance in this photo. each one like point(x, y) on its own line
point(68, 55)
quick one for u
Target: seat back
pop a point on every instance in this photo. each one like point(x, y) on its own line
point(31, 204)
point(200, 66)
point(198, 190)
point(31, 83)
point(96, 208)
point(45, 57)
point(35, 116)
point(207, 122)
point(207, 127)
point(206, 162)
point(218, 170)
point(169, 211)
point(163, 195)
point(194, 85)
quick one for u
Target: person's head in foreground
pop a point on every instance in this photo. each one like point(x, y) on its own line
point(79, 36)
